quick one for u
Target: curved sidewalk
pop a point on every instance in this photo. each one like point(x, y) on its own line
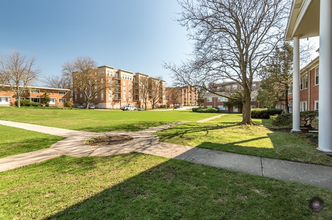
point(146, 142)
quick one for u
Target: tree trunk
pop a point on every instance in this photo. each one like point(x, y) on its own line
point(286, 100)
point(18, 101)
point(246, 110)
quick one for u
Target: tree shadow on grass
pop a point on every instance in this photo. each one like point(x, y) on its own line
point(178, 189)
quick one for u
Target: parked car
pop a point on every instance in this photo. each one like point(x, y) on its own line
point(141, 109)
point(129, 108)
point(92, 106)
point(80, 106)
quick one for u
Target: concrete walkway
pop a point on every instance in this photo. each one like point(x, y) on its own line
point(146, 142)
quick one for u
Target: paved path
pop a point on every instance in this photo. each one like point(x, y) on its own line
point(209, 119)
point(146, 142)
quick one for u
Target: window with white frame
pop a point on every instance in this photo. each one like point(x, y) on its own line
point(209, 106)
point(254, 85)
point(316, 105)
point(109, 94)
point(222, 107)
point(303, 106)
point(21, 98)
point(124, 96)
point(102, 96)
point(35, 91)
point(52, 101)
point(209, 99)
point(222, 99)
point(62, 100)
point(4, 100)
point(62, 93)
point(124, 83)
point(234, 86)
point(253, 99)
point(36, 100)
point(304, 81)
point(129, 83)
point(228, 87)
point(317, 76)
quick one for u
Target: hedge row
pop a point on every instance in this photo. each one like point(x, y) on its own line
point(307, 119)
point(264, 113)
point(27, 103)
point(205, 110)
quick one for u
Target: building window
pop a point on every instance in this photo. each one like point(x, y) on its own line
point(254, 85)
point(303, 106)
point(81, 95)
point(129, 83)
point(124, 96)
point(102, 96)
point(234, 86)
point(253, 99)
point(124, 83)
point(36, 91)
point(109, 94)
point(209, 99)
point(124, 89)
point(316, 106)
point(304, 82)
point(227, 87)
point(36, 100)
point(209, 106)
point(316, 76)
point(4, 100)
point(222, 108)
point(222, 99)
point(62, 93)
point(62, 100)
point(52, 101)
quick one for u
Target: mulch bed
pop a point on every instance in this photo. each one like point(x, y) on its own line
point(109, 140)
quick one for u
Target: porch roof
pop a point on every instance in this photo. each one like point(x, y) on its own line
point(303, 21)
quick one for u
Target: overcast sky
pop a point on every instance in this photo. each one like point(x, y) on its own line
point(135, 35)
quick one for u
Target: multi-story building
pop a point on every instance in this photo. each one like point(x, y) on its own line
point(182, 96)
point(122, 88)
point(217, 99)
point(309, 87)
point(58, 97)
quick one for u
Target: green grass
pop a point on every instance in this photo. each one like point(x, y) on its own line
point(97, 121)
point(226, 134)
point(15, 141)
point(137, 186)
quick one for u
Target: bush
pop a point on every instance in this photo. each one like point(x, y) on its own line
point(205, 110)
point(27, 103)
point(264, 113)
point(308, 119)
point(282, 120)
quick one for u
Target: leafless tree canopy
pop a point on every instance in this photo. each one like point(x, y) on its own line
point(232, 39)
point(156, 91)
point(18, 71)
point(61, 82)
point(144, 90)
point(83, 75)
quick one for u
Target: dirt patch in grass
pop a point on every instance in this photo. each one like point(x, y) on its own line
point(108, 140)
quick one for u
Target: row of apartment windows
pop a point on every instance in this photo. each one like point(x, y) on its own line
point(303, 106)
point(234, 87)
point(304, 79)
point(220, 99)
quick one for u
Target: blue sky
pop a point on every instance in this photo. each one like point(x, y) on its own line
point(135, 35)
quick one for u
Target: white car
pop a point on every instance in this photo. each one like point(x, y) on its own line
point(129, 108)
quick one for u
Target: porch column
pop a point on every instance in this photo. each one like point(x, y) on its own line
point(296, 85)
point(325, 77)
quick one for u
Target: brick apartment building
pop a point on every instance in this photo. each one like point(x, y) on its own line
point(58, 97)
point(309, 87)
point(125, 89)
point(215, 101)
point(182, 96)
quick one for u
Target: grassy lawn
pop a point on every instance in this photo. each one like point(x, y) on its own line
point(17, 141)
point(98, 121)
point(137, 186)
point(225, 134)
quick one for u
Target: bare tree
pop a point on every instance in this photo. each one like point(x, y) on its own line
point(233, 38)
point(61, 82)
point(156, 90)
point(18, 71)
point(86, 78)
point(144, 90)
